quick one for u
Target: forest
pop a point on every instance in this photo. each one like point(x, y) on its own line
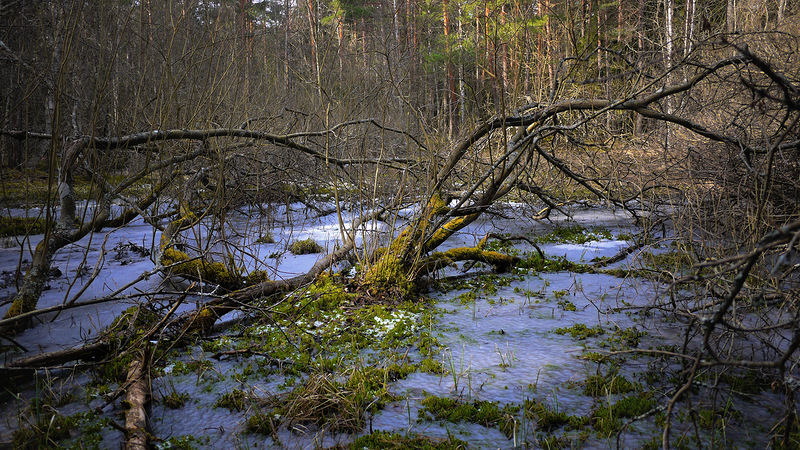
point(340, 224)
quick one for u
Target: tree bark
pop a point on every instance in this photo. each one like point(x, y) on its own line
point(137, 400)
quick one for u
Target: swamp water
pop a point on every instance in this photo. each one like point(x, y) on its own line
point(522, 356)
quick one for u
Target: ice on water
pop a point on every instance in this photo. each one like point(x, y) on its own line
point(501, 346)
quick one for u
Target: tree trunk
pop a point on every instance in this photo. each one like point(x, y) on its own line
point(138, 399)
point(64, 233)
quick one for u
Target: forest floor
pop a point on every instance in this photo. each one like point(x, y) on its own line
point(554, 354)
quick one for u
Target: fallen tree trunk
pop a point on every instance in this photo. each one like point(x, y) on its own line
point(137, 400)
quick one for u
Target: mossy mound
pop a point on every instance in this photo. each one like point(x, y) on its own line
point(387, 440)
point(305, 247)
point(21, 226)
point(481, 412)
point(607, 419)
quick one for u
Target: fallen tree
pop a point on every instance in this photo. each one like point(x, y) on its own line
point(522, 139)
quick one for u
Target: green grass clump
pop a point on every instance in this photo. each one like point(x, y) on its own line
point(610, 383)
point(175, 400)
point(481, 412)
point(235, 400)
point(266, 238)
point(606, 419)
point(50, 430)
point(305, 247)
point(21, 226)
point(386, 440)
point(548, 418)
point(325, 401)
point(261, 423)
point(45, 433)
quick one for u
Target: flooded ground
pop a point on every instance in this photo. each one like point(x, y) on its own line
point(536, 358)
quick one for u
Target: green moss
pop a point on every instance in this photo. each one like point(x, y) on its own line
point(501, 262)
point(305, 247)
point(261, 423)
point(266, 238)
point(208, 271)
point(380, 440)
point(256, 277)
point(197, 367)
point(610, 383)
point(575, 234)
point(580, 331)
point(467, 298)
point(547, 418)
point(745, 381)
point(535, 263)
point(481, 412)
point(607, 420)
point(430, 365)
point(596, 357)
point(22, 304)
point(132, 323)
point(45, 432)
point(623, 338)
point(567, 305)
point(21, 226)
point(175, 400)
point(390, 276)
point(447, 230)
point(427, 344)
point(185, 442)
point(235, 400)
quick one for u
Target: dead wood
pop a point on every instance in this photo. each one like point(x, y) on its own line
point(60, 357)
point(137, 400)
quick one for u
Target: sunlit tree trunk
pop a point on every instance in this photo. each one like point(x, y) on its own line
point(669, 38)
point(312, 27)
point(689, 27)
point(450, 95)
point(730, 16)
point(286, 34)
point(639, 121)
point(462, 90)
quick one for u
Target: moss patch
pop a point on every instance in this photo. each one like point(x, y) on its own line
point(610, 383)
point(607, 420)
point(305, 247)
point(575, 234)
point(21, 226)
point(580, 331)
point(481, 412)
point(234, 400)
point(386, 440)
point(198, 268)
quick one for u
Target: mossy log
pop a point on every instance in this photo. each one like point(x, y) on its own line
point(500, 261)
point(399, 266)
